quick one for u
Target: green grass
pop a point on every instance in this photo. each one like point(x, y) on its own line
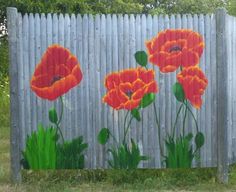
point(103, 180)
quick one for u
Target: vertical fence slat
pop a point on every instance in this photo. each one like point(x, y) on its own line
point(212, 86)
point(37, 60)
point(234, 90)
point(21, 82)
point(108, 71)
point(43, 38)
point(206, 99)
point(222, 90)
point(31, 95)
point(178, 25)
point(14, 102)
point(84, 66)
point(25, 34)
point(132, 63)
point(115, 67)
point(144, 112)
point(79, 114)
point(90, 79)
point(104, 111)
point(126, 63)
point(172, 82)
point(202, 127)
point(157, 103)
point(167, 92)
point(97, 89)
point(161, 96)
point(74, 99)
point(121, 53)
point(150, 126)
point(138, 48)
point(230, 54)
point(196, 112)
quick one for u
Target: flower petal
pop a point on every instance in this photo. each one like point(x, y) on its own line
point(128, 75)
point(112, 80)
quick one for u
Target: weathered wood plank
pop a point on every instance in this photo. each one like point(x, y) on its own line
point(21, 82)
point(157, 159)
point(161, 97)
point(108, 71)
point(201, 124)
point(74, 100)
point(43, 43)
point(38, 55)
point(32, 98)
point(25, 34)
point(212, 86)
point(90, 92)
point(104, 110)
point(144, 111)
point(115, 67)
point(12, 17)
point(222, 90)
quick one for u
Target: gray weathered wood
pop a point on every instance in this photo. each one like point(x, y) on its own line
point(12, 18)
point(107, 43)
point(222, 96)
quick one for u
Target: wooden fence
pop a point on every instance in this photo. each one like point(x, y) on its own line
point(106, 43)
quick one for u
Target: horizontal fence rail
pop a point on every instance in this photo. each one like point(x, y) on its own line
point(107, 43)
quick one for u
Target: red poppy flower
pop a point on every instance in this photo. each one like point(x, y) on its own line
point(125, 89)
point(171, 49)
point(57, 72)
point(194, 83)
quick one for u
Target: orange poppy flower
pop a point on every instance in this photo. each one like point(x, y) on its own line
point(171, 49)
point(57, 72)
point(194, 83)
point(125, 89)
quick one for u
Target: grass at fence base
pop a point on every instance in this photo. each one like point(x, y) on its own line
point(162, 177)
point(202, 179)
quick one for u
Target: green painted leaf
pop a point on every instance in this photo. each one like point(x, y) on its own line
point(199, 139)
point(53, 115)
point(103, 136)
point(178, 92)
point(141, 58)
point(135, 113)
point(147, 100)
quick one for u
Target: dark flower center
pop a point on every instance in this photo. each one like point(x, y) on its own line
point(129, 94)
point(175, 48)
point(55, 78)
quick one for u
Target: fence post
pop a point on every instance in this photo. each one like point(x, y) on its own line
point(14, 103)
point(221, 95)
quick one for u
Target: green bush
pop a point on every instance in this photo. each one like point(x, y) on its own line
point(40, 151)
point(4, 108)
point(125, 157)
point(179, 153)
point(70, 154)
point(4, 61)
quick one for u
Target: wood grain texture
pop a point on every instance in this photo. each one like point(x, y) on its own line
point(222, 95)
point(106, 43)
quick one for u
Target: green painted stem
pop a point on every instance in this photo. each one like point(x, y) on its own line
point(185, 115)
point(126, 116)
point(195, 120)
point(158, 128)
point(59, 121)
point(176, 119)
point(127, 128)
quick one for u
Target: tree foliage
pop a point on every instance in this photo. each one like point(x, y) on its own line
point(114, 6)
point(232, 7)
